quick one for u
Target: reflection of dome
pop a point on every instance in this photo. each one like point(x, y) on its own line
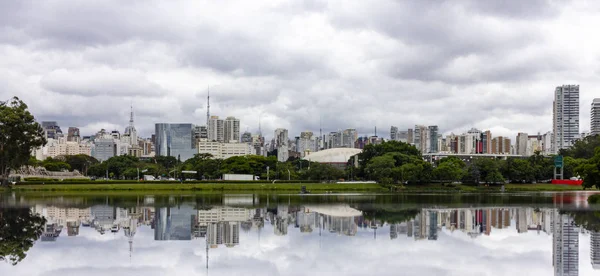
point(336, 155)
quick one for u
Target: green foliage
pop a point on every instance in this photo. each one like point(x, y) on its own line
point(20, 134)
point(584, 148)
point(19, 229)
point(401, 152)
point(449, 170)
point(590, 171)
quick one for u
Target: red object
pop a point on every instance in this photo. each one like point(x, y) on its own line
point(567, 182)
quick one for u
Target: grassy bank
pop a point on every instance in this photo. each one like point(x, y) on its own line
point(482, 188)
point(321, 187)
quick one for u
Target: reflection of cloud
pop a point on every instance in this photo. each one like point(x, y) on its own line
point(503, 252)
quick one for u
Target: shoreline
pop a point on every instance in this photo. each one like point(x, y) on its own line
point(287, 187)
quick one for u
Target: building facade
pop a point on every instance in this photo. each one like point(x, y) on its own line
point(174, 140)
point(595, 117)
point(565, 116)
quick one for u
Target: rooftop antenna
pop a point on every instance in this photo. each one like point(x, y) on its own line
point(207, 105)
point(259, 127)
point(207, 255)
point(375, 131)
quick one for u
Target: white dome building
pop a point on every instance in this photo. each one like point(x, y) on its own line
point(336, 156)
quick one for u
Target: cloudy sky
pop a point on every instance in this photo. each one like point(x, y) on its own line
point(352, 64)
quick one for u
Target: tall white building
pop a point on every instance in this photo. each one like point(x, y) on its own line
point(566, 116)
point(231, 130)
point(307, 143)
point(216, 129)
point(595, 117)
point(349, 136)
point(282, 144)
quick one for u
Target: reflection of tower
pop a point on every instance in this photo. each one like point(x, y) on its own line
point(565, 246)
point(595, 249)
point(433, 221)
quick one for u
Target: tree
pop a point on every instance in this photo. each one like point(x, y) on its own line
point(20, 134)
point(80, 162)
point(584, 148)
point(449, 171)
point(19, 229)
point(381, 167)
point(590, 171)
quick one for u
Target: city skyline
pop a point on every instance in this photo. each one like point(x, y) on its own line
point(486, 65)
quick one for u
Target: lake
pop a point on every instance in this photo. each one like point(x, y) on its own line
point(291, 234)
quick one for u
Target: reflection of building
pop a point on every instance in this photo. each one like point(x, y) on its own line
point(51, 232)
point(595, 249)
point(565, 246)
point(225, 232)
point(174, 223)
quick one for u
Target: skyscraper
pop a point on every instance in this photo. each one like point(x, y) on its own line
point(216, 129)
point(281, 144)
point(130, 131)
point(231, 130)
point(565, 116)
point(595, 117)
point(521, 143)
point(52, 129)
point(433, 139)
point(174, 140)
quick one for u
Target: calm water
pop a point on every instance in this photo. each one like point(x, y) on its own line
point(246, 234)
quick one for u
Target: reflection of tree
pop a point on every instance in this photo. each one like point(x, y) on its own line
point(586, 219)
point(391, 216)
point(19, 229)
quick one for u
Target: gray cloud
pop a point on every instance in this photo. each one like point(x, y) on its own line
point(456, 64)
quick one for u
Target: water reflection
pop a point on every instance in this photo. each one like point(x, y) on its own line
point(544, 238)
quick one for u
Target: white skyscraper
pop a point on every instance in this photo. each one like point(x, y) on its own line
point(231, 130)
point(565, 116)
point(595, 249)
point(595, 117)
point(216, 129)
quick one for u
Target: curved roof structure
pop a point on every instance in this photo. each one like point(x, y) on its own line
point(336, 155)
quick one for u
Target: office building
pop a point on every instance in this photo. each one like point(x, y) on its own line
point(565, 116)
point(104, 148)
point(281, 143)
point(224, 150)
point(486, 141)
point(174, 223)
point(595, 117)
point(231, 130)
point(433, 139)
point(394, 133)
point(349, 137)
point(174, 140)
point(521, 144)
point(307, 143)
point(73, 135)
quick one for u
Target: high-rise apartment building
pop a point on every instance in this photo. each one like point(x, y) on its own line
point(231, 132)
point(175, 140)
point(565, 116)
point(247, 137)
point(216, 129)
point(595, 117)
point(486, 141)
